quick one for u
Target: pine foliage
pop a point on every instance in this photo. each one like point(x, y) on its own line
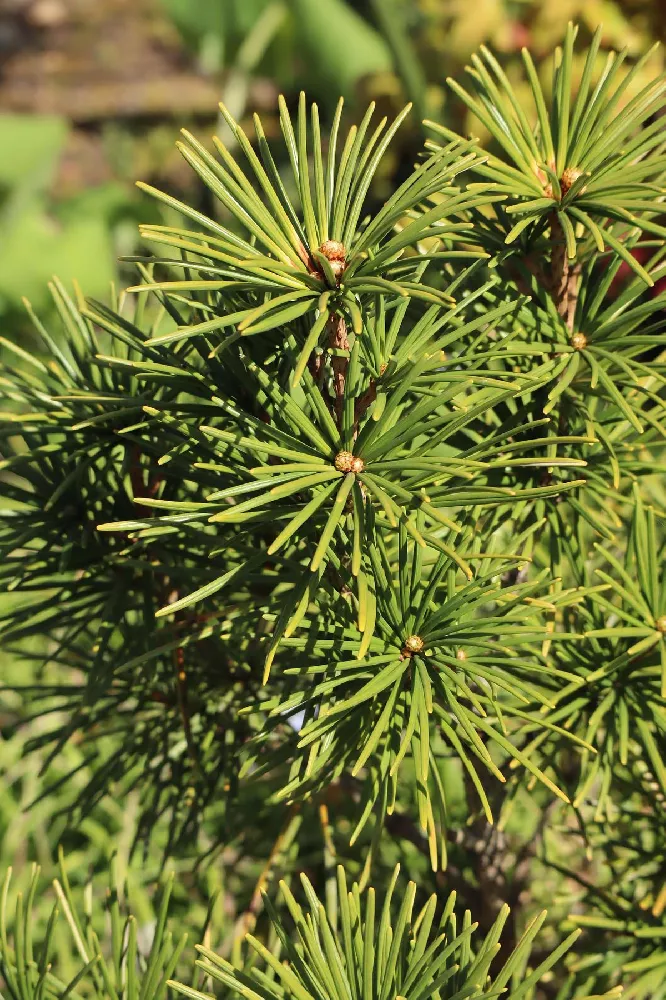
point(416, 954)
point(341, 495)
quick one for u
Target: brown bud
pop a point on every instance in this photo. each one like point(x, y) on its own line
point(346, 462)
point(579, 341)
point(333, 250)
point(569, 178)
point(343, 461)
point(413, 644)
point(661, 623)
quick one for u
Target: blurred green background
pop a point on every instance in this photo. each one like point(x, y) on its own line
point(92, 95)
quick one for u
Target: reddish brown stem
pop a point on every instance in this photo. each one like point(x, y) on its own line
point(364, 401)
point(572, 301)
point(560, 266)
point(338, 340)
point(564, 277)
